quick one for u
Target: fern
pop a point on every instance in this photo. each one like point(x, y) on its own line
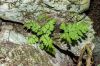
point(42, 34)
point(73, 31)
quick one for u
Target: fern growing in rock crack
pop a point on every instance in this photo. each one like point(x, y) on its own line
point(42, 34)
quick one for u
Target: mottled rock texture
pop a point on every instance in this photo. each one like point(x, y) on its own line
point(20, 10)
point(22, 55)
point(96, 52)
point(8, 34)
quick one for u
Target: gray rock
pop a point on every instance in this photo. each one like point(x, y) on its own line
point(97, 46)
point(20, 10)
point(68, 5)
point(7, 34)
point(96, 51)
point(22, 55)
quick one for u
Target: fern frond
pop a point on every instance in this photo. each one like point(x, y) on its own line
point(47, 44)
point(73, 31)
point(32, 25)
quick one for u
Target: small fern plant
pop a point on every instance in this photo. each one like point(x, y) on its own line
point(42, 34)
point(73, 31)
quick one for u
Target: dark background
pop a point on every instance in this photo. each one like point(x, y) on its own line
point(94, 14)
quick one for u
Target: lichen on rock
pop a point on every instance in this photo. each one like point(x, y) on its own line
point(17, 10)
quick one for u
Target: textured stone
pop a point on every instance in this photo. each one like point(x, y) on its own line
point(7, 34)
point(96, 52)
point(20, 10)
point(22, 55)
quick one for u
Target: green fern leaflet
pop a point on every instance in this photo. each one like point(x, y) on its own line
point(33, 39)
point(47, 44)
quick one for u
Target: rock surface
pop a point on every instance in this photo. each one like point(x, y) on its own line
point(21, 10)
point(12, 54)
point(7, 34)
point(96, 52)
point(22, 55)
